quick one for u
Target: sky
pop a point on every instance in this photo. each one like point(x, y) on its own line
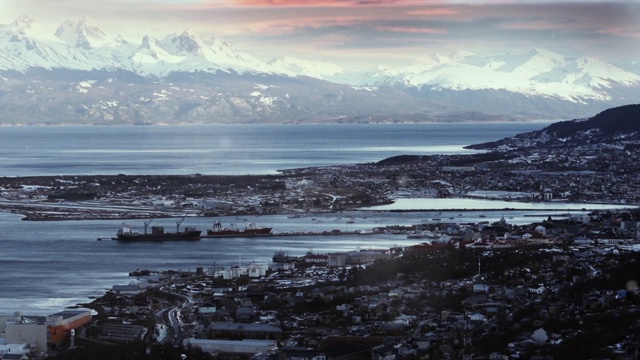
point(358, 34)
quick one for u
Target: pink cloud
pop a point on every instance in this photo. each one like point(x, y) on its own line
point(534, 25)
point(412, 30)
point(323, 3)
point(434, 12)
point(627, 32)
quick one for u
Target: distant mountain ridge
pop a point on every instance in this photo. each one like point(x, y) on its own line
point(80, 74)
point(613, 128)
point(537, 73)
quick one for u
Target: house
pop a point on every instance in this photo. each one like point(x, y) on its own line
point(207, 309)
point(538, 290)
point(131, 289)
point(245, 313)
point(232, 331)
point(300, 353)
point(477, 317)
point(316, 258)
point(540, 336)
point(477, 288)
point(582, 240)
point(235, 347)
point(541, 230)
point(337, 259)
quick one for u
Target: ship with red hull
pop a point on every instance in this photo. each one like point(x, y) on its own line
point(250, 230)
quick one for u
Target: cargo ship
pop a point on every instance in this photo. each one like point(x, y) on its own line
point(250, 230)
point(157, 233)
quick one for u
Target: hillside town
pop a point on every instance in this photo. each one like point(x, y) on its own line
point(464, 291)
point(562, 288)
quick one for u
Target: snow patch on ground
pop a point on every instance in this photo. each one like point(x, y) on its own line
point(262, 86)
point(84, 86)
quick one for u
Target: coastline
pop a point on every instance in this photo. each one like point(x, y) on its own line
point(75, 211)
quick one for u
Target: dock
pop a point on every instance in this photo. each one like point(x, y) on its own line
point(282, 234)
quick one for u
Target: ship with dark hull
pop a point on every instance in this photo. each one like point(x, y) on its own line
point(250, 230)
point(126, 234)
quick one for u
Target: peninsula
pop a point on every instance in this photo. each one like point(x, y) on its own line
point(580, 161)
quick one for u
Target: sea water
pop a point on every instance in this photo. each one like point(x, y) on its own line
point(229, 149)
point(47, 266)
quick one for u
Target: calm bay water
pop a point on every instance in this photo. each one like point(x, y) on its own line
point(228, 149)
point(47, 266)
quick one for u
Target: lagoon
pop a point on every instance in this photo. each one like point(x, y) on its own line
point(415, 204)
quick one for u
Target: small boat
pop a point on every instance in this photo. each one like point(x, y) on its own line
point(249, 230)
point(126, 234)
point(282, 257)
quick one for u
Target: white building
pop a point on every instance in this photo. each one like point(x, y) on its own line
point(337, 259)
point(481, 288)
point(21, 332)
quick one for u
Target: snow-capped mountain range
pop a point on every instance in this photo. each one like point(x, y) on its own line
point(83, 45)
point(537, 73)
point(539, 83)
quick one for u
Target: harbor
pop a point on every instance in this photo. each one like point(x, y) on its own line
point(334, 232)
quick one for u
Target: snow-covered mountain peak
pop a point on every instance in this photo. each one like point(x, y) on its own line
point(188, 43)
point(544, 53)
point(441, 59)
point(535, 62)
point(316, 69)
point(189, 52)
point(84, 34)
point(601, 74)
point(149, 58)
point(151, 45)
point(25, 28)
point(23, 21)
point(433, 59)
point(147, 42)
point(538, 72)
point(217, 46)
point(461, 54)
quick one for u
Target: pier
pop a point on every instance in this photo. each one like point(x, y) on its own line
point(282, 234)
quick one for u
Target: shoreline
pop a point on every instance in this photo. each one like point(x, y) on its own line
point(77, 211)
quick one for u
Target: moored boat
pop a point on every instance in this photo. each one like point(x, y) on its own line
point(126, 234)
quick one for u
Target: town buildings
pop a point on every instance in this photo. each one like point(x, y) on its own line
point(42, 333)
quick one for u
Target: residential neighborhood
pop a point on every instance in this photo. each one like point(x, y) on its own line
point(500, 295)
